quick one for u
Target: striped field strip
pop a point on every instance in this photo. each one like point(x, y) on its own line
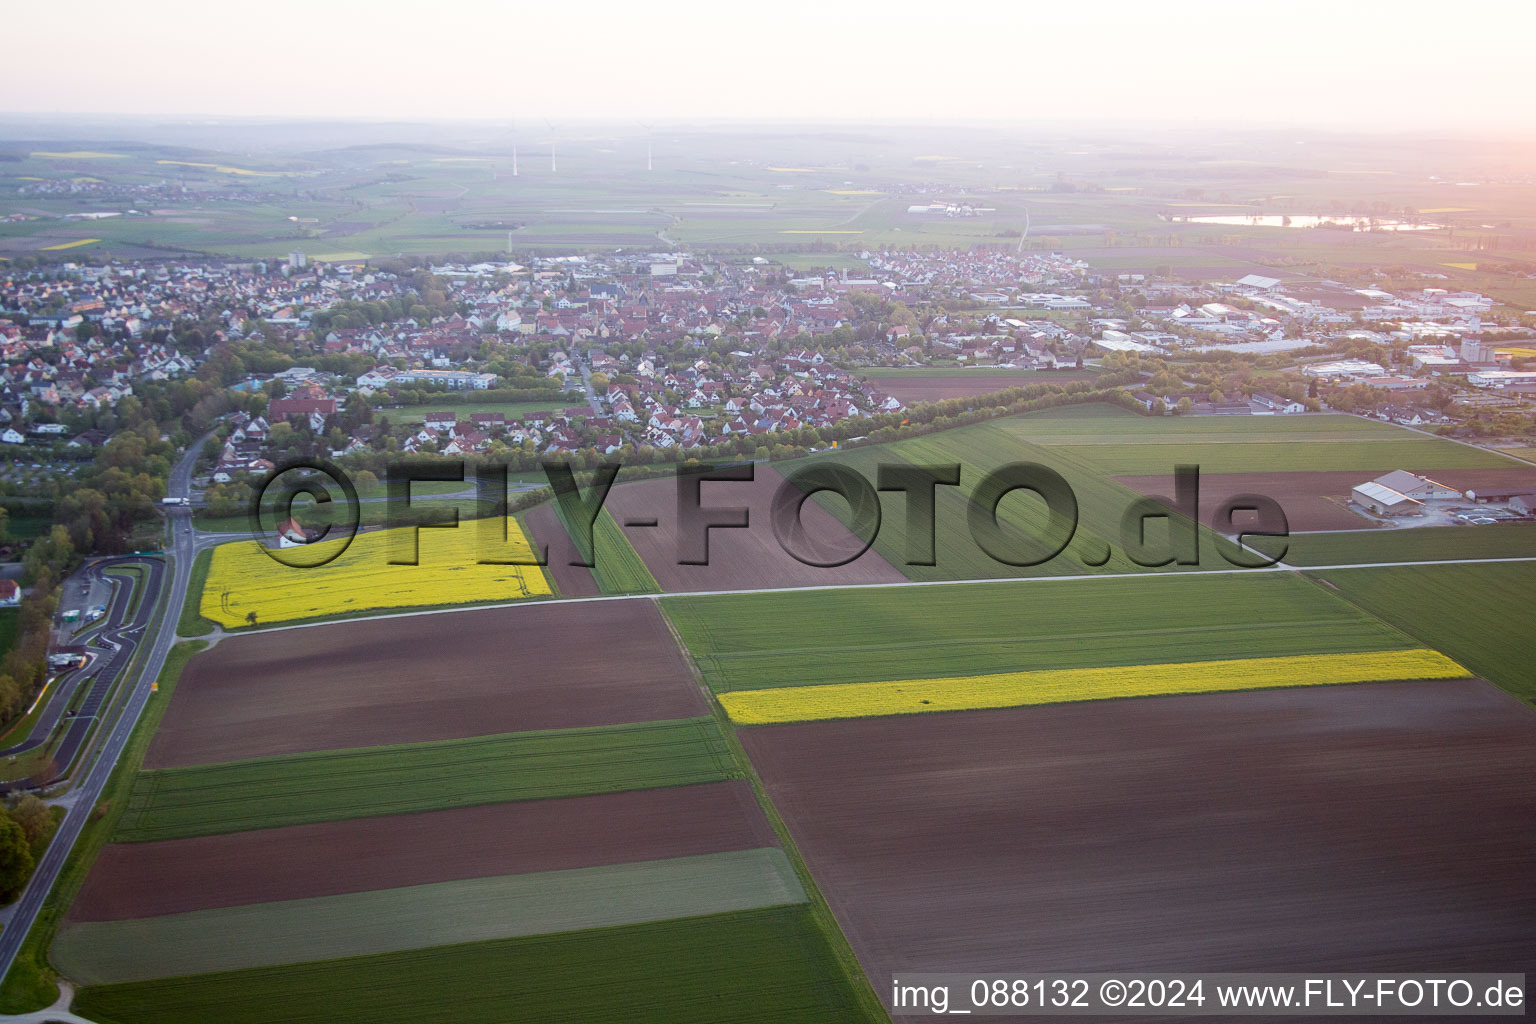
point(1018, 689)
point(415, 917)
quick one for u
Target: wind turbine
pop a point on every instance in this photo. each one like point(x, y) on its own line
point(551, 146)
point(511, 129)
point(648, 165)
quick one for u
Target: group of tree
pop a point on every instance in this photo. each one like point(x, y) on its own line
point(24, 667)
point(116, 494)
point(26, 826)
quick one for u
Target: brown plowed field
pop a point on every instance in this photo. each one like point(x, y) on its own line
point(739, 558)
point(1389, 826)
point(1316, 501)
point(426, 677)
point(914, 389)
point(571, 580)
point(1312, 501)
point(148, 879)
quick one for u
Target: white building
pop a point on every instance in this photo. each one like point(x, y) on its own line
point(1344, 369)
point(1384, 501)
point(1501, 378)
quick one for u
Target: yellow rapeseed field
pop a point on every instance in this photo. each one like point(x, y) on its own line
point(1016, 689)
point(244, 579)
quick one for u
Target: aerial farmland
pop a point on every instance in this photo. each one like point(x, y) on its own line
point(485, 540)
point(765, 787)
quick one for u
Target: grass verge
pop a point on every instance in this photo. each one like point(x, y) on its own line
point(191, 623)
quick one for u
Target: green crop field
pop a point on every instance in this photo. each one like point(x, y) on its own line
point(956, 555)
point(1123, 444)
point(752, 641)
point(1479, 615)
point(618, 567)
point(10, 625)
point(980, 448)
point(962, 373)
point(1090, 444)
point(21, 526)
point(759, 967)
point(437, 914)
point(1286, 454)
point(464, 408)
point(1417, 544)
point(173, 803)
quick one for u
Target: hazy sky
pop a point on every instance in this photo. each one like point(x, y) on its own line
point(1401, 63)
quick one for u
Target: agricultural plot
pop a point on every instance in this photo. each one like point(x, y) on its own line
point(464, 408)
point(438, 914)
point(265, 793)
point(1089, 445)
point(1123, 444)
point(760, 641)
point(426, 677)
point(1019, 689)
point(1097, 544)
point(1026, 531)
point(1410, 544)
point(956, 555)
point(931, 386)
point(1478, 614)
point(770, 966)
point(545, 531)
point(247, 587)
point(616, 567)
point(738, 558)
point(148, 879)
point(489, 849)
point(1311, 501)
point(1384, 827)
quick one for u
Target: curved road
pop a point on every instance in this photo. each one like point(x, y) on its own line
point(164, 593)
point(113, 646)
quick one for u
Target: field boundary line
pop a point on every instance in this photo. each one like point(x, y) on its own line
point(1281, 567)
point(860, 987)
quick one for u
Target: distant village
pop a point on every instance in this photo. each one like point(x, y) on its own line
point(668, 352)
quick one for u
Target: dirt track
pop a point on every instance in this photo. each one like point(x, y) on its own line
point(147, 879)
point(430, 677)
point(1386, 826)
point(1315, 501)
point(738, 558)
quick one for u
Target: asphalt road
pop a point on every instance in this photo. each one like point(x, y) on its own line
point(166, 589)
point(113, 645)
